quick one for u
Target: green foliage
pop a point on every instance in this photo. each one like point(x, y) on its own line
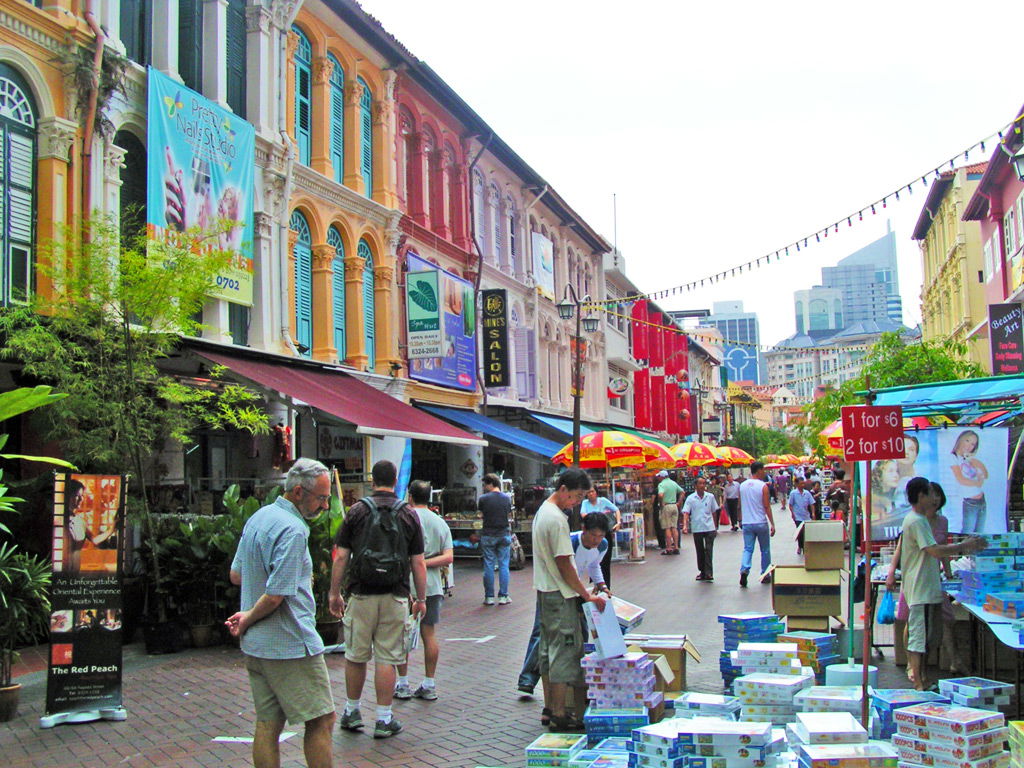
point(24, 603)
point(422, 294)
point(758, 441)
point(321, 548)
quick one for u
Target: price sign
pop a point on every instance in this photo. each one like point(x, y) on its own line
point(873, 432)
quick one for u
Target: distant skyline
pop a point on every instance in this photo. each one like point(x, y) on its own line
point(728, 131)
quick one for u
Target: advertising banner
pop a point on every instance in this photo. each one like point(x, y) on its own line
point(1007, 338)
point(85, 622)
point(543, 264)
point(578, 379)
point(423, 314)
point(455, 366)
point(201, 161)
point(494, 319)
point(969, 463)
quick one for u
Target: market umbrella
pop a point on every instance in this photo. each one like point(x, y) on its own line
point(832, 435)
point(608, 449)
point(694, 454)
point(734, 455)
point(789, 459)
point(774, 465)
point(663, 459)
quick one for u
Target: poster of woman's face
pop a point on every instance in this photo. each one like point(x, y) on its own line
point(970, 465)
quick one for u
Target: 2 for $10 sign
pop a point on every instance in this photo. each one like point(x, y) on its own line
point(872, 432)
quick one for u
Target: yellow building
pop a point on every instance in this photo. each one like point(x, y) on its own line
point(953, 303)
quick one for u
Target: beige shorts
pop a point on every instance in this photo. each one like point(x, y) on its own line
point(298, 690)
point(375, 625)
point(561, 638)
point(668, 516)
point(924, 627)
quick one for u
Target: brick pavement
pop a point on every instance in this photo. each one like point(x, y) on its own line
point(177, 704)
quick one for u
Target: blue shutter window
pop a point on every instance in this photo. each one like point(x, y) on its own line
point(237, 37)
point(366, 120)
point(303, 254)
point(303, 95)
point(337, 119)
point(369, 329)
point(338, 290)
point(17, 184)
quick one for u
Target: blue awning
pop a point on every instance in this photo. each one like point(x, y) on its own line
point(497, 429)
point(562, 425)
point(952, 397)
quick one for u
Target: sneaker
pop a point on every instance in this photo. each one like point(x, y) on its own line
point(504, 600)
point(403, 691)
point(488, 601)
point(426, 693)
point(743, 578)
point(351, 721)
point(386, 730)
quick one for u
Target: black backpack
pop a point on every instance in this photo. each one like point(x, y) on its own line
point(380, 558)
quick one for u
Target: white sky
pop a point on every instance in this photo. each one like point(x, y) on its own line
point(728, 130)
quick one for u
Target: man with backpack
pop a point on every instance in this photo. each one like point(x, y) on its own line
point(379, 545)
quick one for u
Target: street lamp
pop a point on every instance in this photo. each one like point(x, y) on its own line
point(1018, 163)
point(567, 308)
point(699, 391)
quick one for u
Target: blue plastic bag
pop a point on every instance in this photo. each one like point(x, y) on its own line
point(886, 609)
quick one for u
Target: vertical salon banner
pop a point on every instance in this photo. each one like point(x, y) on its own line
point(1006, 332)
point(494, 321)
point(85, 623)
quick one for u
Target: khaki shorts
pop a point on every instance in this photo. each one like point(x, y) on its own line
point(668, 516)
point(561, 638)
point(375, 624)
point(924, 627)
point(298, 690)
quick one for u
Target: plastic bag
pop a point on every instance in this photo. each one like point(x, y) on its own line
point(886, 609)
point(902, 608)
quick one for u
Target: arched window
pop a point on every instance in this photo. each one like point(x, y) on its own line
point(479, 230)
point(337, 118)
point(366, 142)
point(133, 186)
point(510, 229)
point(429, 147)
point(494, 206)
point(405, 173)
point(369, 314)
point(17, 182)
point(303, 95)
point(303, 254)
point(338, 289)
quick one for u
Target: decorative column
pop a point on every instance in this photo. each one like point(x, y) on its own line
point(261, 319)
point(438, 207)
point(113, 163)
point(383, 145)
point(291, 45)
point(384, 315)
point(320, 151)
point(165, 37)
point(414, 189)
point(355, 337)
point(353, 178)
point(259, 65)
point(56, 138)
point(215, 50)
point(323, 322)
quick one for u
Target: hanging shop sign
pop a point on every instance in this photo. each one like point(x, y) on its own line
point(84, 676)
point(543, 264)
point(578, 378)
point(618, 386)
point(494, 319)
point(1007, 338)
point(202, 161)
point(454, 364)
point(340, 447)
point(423, 314)
point(872, 432)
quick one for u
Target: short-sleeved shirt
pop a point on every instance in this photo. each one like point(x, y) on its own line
point(273, 558)
point(752, 501)
point(732, 490)
point(351, 530)
point(496, 509)
point(718, 492)
point(669, 490)
point(922, 583)
point(800, 504)
point(702, 512)
point(437, 537)
point(588, 561)
point(550, 540)
point(601, 505)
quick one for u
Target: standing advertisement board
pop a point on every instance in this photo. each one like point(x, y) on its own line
point(423, 314)
point(1007, 338)
point(202, 160)
point(84, 676)
point(543, 264)
point(453, 364)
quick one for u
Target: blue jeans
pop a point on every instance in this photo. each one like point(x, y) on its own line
point(756, 532)
point(975, 511)
point(496, 549)
point(529, 676)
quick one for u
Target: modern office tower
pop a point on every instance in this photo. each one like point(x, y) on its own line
point(818, 309)
point(741, 339)
point(869, 282)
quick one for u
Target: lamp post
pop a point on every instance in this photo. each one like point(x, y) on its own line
point(1018, 163)
point(572, 305)
point(698, 392)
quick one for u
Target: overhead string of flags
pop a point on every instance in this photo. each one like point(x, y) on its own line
point(807, 241)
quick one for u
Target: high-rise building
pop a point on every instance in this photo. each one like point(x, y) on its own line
point(818, 309)
point(869, 282)
point(741, 339)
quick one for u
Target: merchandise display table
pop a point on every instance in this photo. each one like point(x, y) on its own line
point(986, 629)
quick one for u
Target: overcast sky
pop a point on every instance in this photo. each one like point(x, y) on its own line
point(728, 130)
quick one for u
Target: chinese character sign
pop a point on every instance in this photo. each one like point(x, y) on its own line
point(494, 318)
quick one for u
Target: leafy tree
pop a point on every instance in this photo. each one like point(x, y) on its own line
point(758, 441)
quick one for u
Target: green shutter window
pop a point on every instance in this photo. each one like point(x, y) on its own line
point(337, 119)
point(303, 96)
point(237, 36)
point(366, 119)
point(17, 184)
point(190, 43)
point(303, 283)
point(369, 314)
point(136, 35)
point(338, 290)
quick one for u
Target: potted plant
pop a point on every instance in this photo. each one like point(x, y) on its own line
point(321, 549)
point(24, 615)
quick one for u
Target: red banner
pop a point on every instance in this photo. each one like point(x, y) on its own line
point(640, 335)
point(642, 398)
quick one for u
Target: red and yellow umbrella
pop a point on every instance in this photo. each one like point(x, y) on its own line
point(611, 448)
point(662, 460)
point(832, 435)
point(694, 454)
point(731, 456)
point(789, 459)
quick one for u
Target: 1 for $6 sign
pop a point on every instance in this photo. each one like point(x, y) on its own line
point(872, 432)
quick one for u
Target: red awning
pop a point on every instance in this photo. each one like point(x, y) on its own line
point(335, 392)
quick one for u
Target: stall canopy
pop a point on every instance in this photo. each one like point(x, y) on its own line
point(562, 425)
point(986, 401)
point(565, 427)
point(335, 392)
point(496, 429)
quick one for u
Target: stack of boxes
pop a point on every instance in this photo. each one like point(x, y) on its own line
point(1016, 728)
point(997, 570)
point(871, 754)
point(691, 704)
point(816, 650)
point(949, 736)
point(1010, 604)
point(768, 697)
point(808, 595)
point(620, 691)
point(976, 692)
point(554, 750)
point(611, 752)
point(886, 701)
point(830, 698)
point(605, 723)
point(743, 628)
point(704, 742)
point(825, 728)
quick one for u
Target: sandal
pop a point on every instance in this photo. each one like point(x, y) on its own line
point(545, 716)
point(566, 724)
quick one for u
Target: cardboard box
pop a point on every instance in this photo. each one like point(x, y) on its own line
point(823, 544)
point(797, 591)
point(808, 623)
point(675, 649)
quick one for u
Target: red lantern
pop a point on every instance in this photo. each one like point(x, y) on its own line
point(684, 414)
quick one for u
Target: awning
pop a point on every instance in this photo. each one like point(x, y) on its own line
point(967, 397)
point(562, 425)
point(335, 392)
point(499, 430)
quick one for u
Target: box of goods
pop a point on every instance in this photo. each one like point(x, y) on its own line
point(739, 628)
point(812, 643)
point(1016, 733)
point(823, 544)
point(808, 623)
point(630, 616)
point(604, 722)
point(886, 701)
point(719, 732)
point(943, 721)
point(611, 760)
point(1009, 604)
point(935, 759)
point(675, 649)
point(640, 760)
point(584, 758)
point(872, 754)
point(657, 739)
point(975, 748)
point(765, 687)
point(691, 704)
point(613, 744)
point(828, 728)
point(974, 686)
point(554, 749)
point(830, 698)
point(802, 592)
